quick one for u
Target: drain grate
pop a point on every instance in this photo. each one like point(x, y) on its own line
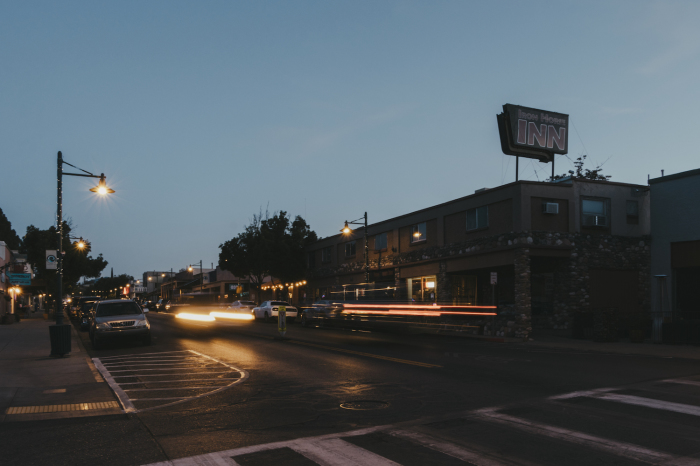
point(364, 405)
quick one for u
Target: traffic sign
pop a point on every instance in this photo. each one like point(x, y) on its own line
point(494, 278)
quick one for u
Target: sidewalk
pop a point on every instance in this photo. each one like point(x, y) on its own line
point(34, 385)
point(620, 347)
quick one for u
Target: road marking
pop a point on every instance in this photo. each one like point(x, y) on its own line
point(446, 448)
point(589, 393)
point(376, 356)
point(139, 355)
point(651, 403)
point(55, 390)
point(171, 381)
point(161, 375)
point(627, 450)
point(62, 408)
point(337, 452)
point(684, 382)
point(206, 362)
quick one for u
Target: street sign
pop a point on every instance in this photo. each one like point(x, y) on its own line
point(282, 320)
point(51, 259)
point(494, 278)
point(22, 279)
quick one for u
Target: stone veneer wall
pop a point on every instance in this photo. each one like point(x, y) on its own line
point(572, 285)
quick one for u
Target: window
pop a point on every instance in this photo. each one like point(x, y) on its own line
point(312, 260)
point(633, 212)
point(478, 218)
point(326, 254)
point(418, 233)
point(594, 212)
point(380, 242)
point(350, 249)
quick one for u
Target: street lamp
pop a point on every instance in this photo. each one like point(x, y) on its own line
point(346, 230)
point(59, 333)
point(201, 279)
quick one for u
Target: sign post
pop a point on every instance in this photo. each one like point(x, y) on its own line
point(282, 320)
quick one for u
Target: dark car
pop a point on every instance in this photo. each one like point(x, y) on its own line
point(78, 304)
point(85, 314)
point(320, 312)
point(119, 319)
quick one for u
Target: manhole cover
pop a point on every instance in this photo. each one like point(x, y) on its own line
point(362, 405)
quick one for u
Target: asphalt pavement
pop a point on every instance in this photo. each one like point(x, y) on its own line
point(236, 394)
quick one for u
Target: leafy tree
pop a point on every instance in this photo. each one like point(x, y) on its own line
point(269, 246)
point(579, 173)
point(76, 262)
point(7, 234)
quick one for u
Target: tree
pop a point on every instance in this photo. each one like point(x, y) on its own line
point(76, 262)
point(7, 234)
point(579, 173)
point(269, 246)
point(106, 284)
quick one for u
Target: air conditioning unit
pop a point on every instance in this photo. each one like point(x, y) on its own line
point(550, 208)
point(595, 221)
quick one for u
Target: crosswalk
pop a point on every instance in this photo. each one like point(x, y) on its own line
point(655, 423)
point(146, 381)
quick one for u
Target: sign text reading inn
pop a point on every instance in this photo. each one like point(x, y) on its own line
point(534, 133)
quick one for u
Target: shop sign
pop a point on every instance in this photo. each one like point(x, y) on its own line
point(533, 133)
point(22, 279)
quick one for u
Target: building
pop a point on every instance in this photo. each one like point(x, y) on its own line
point(675, 253)
point(556, 252)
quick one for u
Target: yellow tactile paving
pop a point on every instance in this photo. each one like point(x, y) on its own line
point(61, 408)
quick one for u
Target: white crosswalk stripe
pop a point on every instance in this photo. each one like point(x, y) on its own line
point(337, 452)
point(447, 448)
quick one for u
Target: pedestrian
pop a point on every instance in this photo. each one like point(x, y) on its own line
point(36, 305)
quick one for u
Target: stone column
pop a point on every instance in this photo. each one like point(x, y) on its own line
point(444, 287)
point(523, 308)
point(400, 293)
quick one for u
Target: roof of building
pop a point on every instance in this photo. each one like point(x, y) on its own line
point(675, 176)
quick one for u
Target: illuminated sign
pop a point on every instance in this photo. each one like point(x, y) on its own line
point(533, 133)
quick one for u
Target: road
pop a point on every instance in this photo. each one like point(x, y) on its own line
point(339, 397)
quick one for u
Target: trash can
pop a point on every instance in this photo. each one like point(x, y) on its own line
point(60, 339)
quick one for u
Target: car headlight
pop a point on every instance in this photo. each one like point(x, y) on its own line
point(103, 325)
point(141, 323)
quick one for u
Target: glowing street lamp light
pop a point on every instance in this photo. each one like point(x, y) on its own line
point(346, 230)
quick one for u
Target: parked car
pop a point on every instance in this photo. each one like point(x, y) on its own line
point(268, 310)
point(77, 304)
point(85, 314)
point(119, 319)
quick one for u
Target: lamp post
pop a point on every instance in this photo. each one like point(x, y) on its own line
point(201, 277)
point(60, 333)
point(346, 230)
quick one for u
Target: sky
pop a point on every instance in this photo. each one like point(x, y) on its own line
point(200, 114)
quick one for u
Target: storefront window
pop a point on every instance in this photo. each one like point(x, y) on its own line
point(422, 289)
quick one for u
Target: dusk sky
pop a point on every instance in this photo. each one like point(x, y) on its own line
point(202, 113)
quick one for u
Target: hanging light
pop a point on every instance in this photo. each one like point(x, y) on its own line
point(101, 187)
